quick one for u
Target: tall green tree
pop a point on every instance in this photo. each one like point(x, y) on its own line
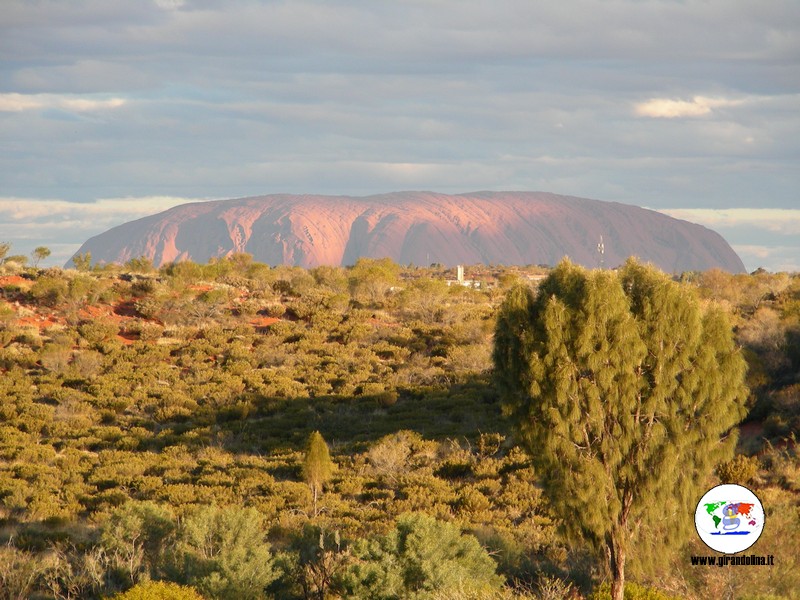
point(317, 466)
point(626, 390)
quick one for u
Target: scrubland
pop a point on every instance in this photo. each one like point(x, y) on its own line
point(154, 428)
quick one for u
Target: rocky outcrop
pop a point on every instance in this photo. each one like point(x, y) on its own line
point(417, 227)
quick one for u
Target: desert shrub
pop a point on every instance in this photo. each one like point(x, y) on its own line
point(135, 537)
point(633, 591)
point(371, 280)
point(275, 310)
point(49, 290)
point(159, 590)
point(740, 469)
point(73, 572)
point(87, 363)
point(7, 313)
point(55, 357)
point(149, 307)
point(183, 271)
point(224, 554)
point(419, 557)
point(20, 572)
point(97, 332)
point(390, 455)
point(489, 444)
point(141, 264)
point(784, 406)
point(330, 277)
point(471, 358)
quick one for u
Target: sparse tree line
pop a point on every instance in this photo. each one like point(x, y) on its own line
point(157, 437)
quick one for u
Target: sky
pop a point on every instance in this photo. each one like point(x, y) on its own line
point(111, 110)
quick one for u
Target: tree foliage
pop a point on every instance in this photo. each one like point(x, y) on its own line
point(625, 390)
point(317, 465)
point(39, 254)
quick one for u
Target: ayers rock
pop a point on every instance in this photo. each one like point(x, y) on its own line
point(416, 227)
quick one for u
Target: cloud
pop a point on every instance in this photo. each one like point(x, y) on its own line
point(102, 98)
point(783, 221)
point(666, 108)
point(169, 4)
point(26, 218)
point(63, 226)
point(13, 102)
point(772, 258)
point(762, 237)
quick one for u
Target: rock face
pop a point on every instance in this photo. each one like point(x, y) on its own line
point(417, 227)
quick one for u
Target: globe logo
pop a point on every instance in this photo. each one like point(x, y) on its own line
point(729, 518)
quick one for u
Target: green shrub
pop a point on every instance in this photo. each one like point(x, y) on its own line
point(49, 290)
point(633, 591)
point(96, 332)
point(740, 469)
point(223, 552)
point(159, 590)
point(419, 557)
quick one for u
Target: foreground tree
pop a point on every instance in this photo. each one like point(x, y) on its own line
point(625, 390)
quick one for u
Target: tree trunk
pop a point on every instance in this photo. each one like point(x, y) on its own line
point(617, 557)
point(314, 488)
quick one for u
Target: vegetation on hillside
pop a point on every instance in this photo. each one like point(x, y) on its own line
point(157, 425)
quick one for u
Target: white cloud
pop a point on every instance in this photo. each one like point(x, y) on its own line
point(668, 108)
point(21, 210)
point(169, 4)
point(772, 258)
point(783, 221)
point(13, 102)
point(63, 226)
point(762, 237)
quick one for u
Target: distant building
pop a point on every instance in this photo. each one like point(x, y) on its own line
point(461, 281)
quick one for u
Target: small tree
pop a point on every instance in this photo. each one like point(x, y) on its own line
point(625, 390)
point(82, 262)
point(40, 254)
point(317, 467)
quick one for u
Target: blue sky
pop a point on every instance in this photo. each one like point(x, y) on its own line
point(113, 110)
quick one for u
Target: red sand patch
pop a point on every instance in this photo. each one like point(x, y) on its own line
point(117, 314)
point(14, 280)
point(263, 322)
